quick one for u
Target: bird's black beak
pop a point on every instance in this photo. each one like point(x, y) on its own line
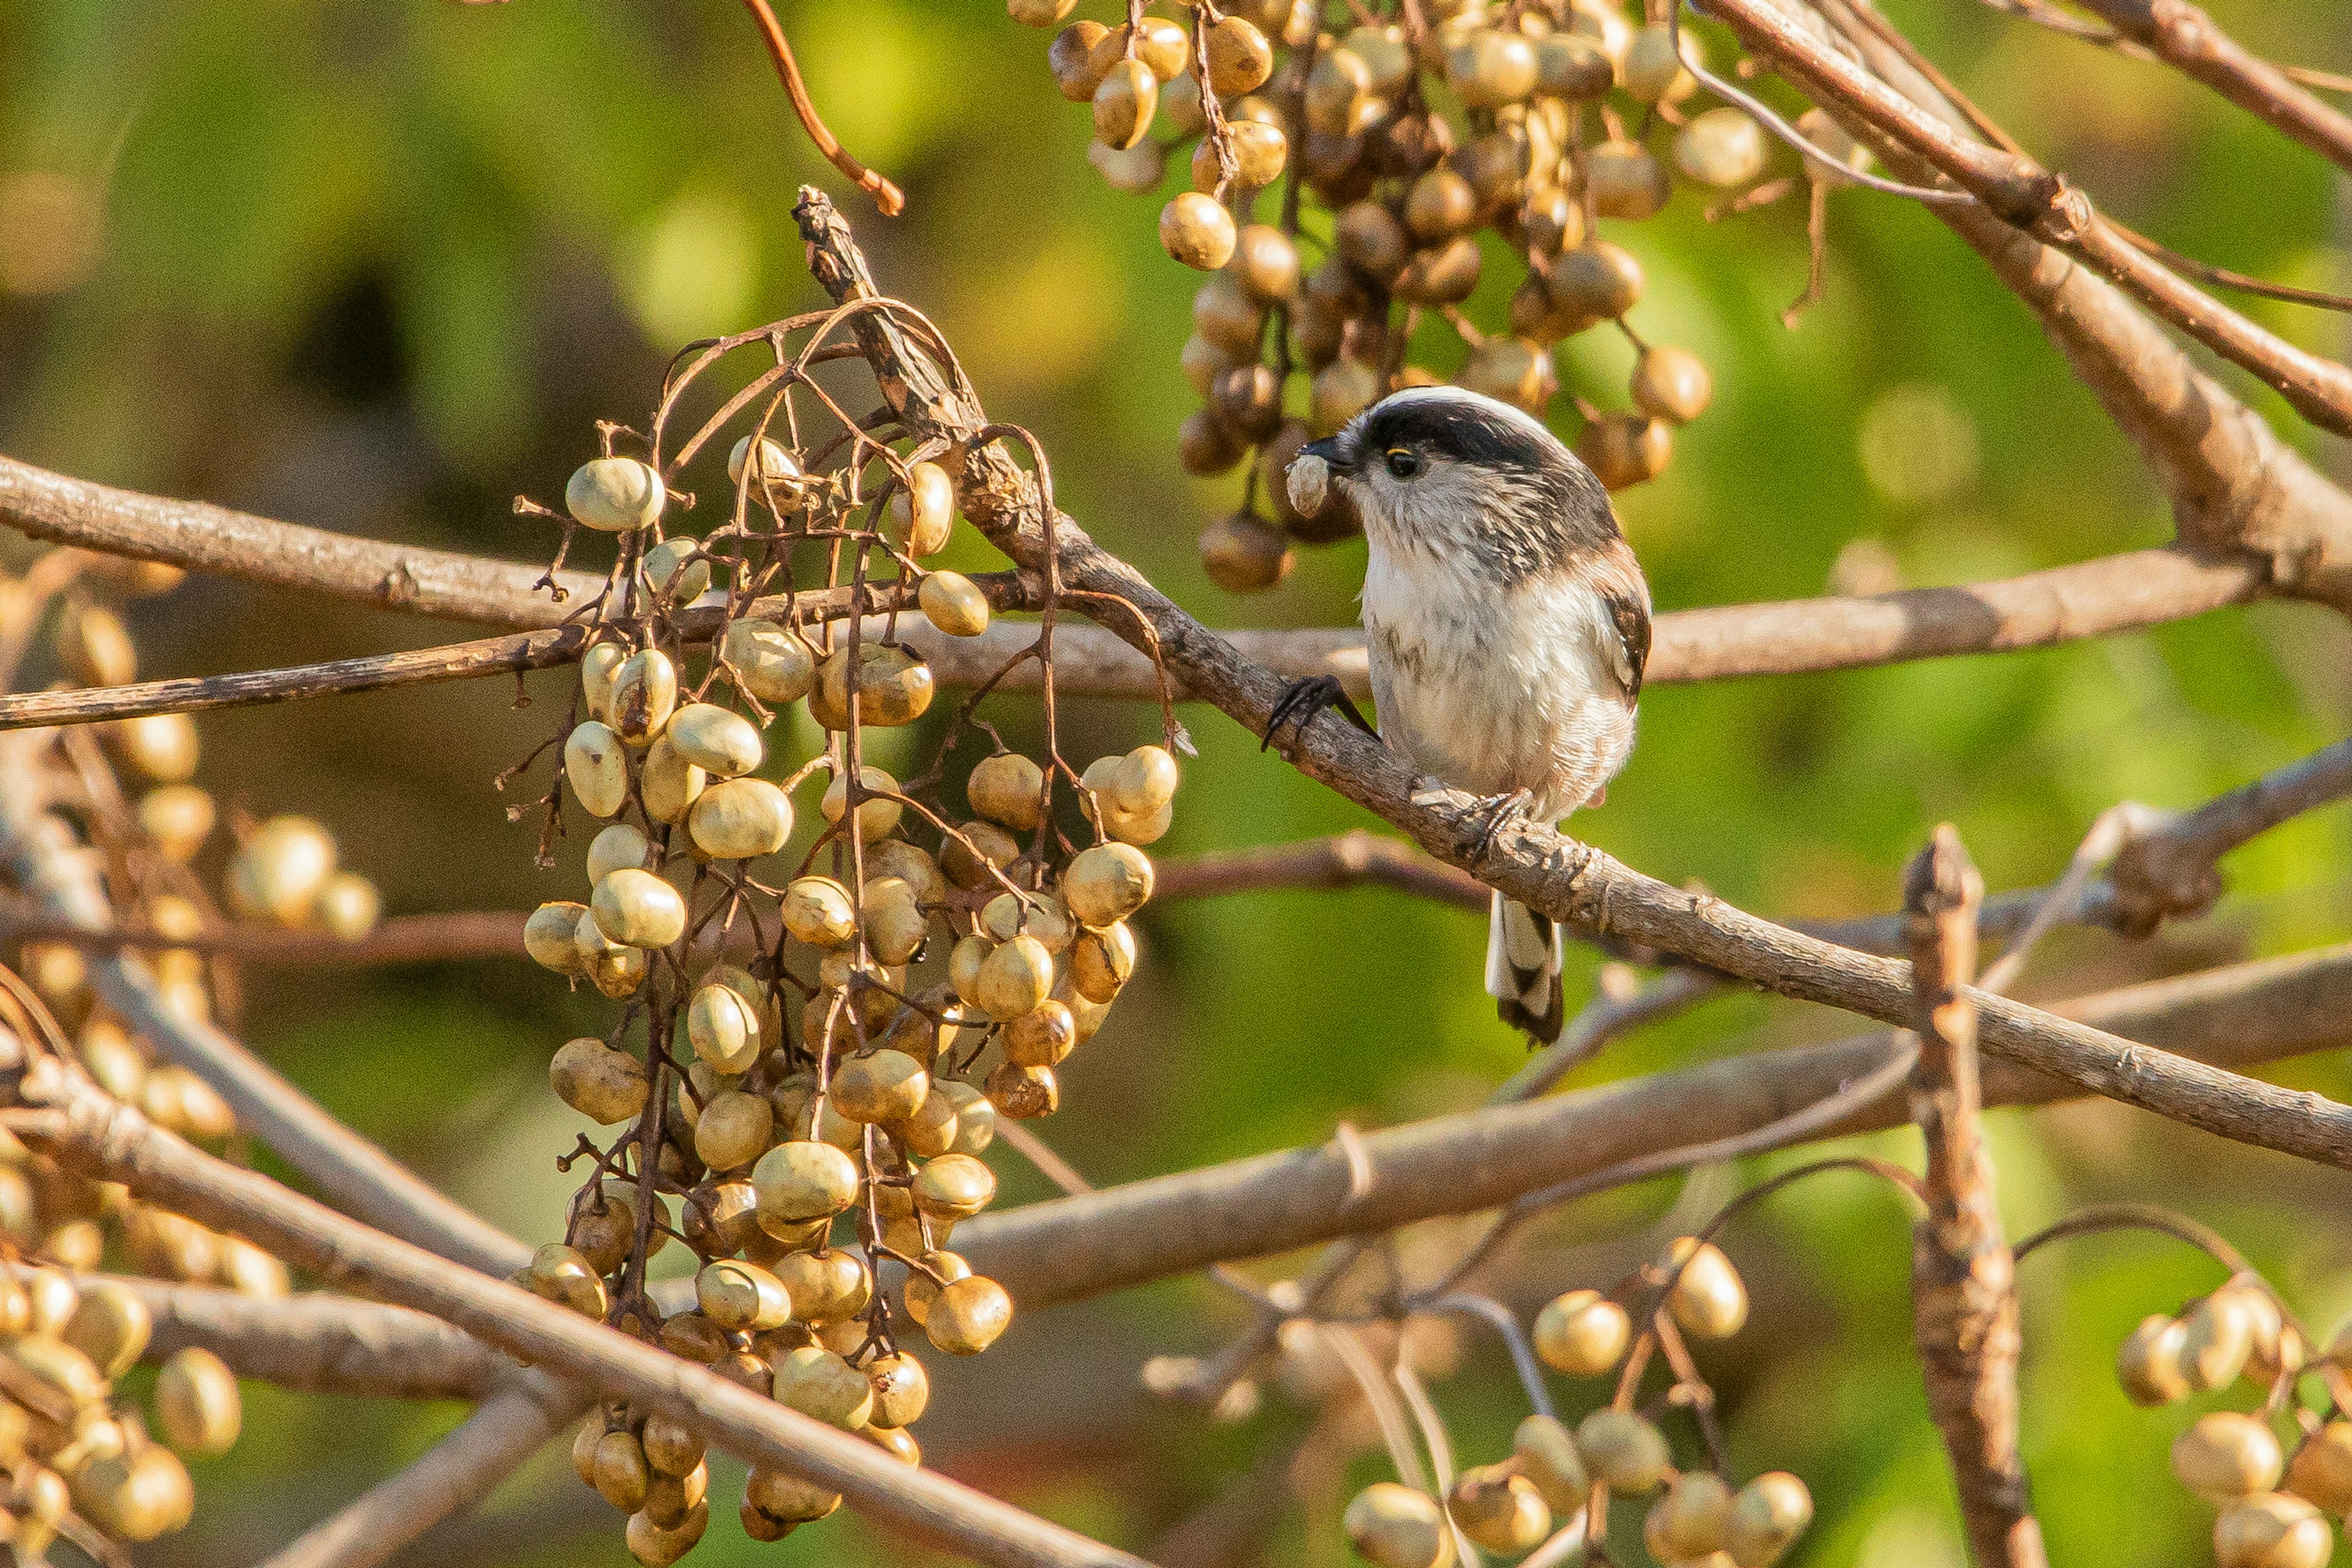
point(1328, 448)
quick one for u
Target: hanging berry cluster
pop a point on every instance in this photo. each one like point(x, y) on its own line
point(1412, 131)
point(818, 1033)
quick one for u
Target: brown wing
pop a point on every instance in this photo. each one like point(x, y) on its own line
point(1617, 577)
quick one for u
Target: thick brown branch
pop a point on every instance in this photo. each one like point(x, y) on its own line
point(203, 538)
point(449, 1477)
point(2237, 490)
point(321, 1343)
point(95, 1133)
point(1963, 1278)
point(1069, 1248)
point(2038, 202)
point(2183, 35)
point(1574, 883)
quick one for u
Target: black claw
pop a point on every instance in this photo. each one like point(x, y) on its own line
point(1304, 698)
point(1486, 818)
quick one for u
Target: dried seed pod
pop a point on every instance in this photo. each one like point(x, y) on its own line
point(740, 1295)
point(645, 693)
point(1163, 46)
point(1514, 372)
point(597, 667)
point(1205, 446)
point(722, 1217)
point(276, 875)
point(1102, 960)
point(613, 494)
point(1042, 1037)
point(2321, 1469)
point(740, 819)
point(896, 929)
point(1266, 263)
point(1009, 789)
point(1583, 1333)
point(95, 648)
point(671, 1499)
point(598, 1082)
point(1594, 281)
point(2217, 1337)
point(2272, 1531)
point(160, 746)
point(914, 866)
point(178, 818)
point(1654, 72)
point(1573, 67)
point(1106, 883)
point(596, 768)
point(827, 1285)
point(1370, 238)
point(901, 1390)
point(954, 603)
point(1671, 383)
point(975, 1115)
point(615, 848)
point(1227, 318)
point(770, 662)
point(1038, 13)
point(1023, 1093)
point(1626, 182)
point(1547, 1455)
point(1691, 1520)
point(1498, 1509)
point(780, 1496)
point(1626, 1453)
point(722, 743)
point(802, 1181)
point(564, 1275)
point(1242, 554)
point(877, 815)
point(637, 908)
point(1239, 57)
point(111, 1326)
point(603, 1225)
point(886, 1085)
point(1723, 148)
point(622, 1473)
point(733, 1130)
point(1123, 103)
point(672, 1447)
point(1440, 205)
point(1626, 449)
point(921, 1289)
point(547, 936)
point(932, 1130)
point(967, 1316)
point(894, 687)
point(1767, 1517)
point(2227, 1455)
point(680, 573)
point(1071, 59)
point(1393, 1526)
point(1195, 230)
point(817, 910)
point(1013, 978)
point(1135, 170)
point(135, 1495)
point(2147, 1362)
point(775, 474)
point(1442, 274)
point(1708, 1298)
point(655, 1545)
point(1248, 401)
point(1338, 89)
point(1491, 66)
point(954, 1187)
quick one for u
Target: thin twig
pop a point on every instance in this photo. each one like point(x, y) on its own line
point(887, 195)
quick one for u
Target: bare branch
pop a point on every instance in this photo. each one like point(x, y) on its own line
point(1963, 1278)
point(2171, 870)
point(449, 1477)
point(2183, 35)
point(1069, 1248)
point(319, 1342)
point(2036, 201)
point(90, 1131)
point(887, 195)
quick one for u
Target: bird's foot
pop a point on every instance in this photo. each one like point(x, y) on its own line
point(1304, 698)
point(1482, 820)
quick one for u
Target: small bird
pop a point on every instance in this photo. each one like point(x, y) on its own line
point(1507, 624)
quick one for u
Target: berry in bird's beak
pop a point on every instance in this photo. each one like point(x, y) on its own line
point(1308, 478)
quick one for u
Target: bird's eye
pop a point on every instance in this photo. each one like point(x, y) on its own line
point(1403, 464)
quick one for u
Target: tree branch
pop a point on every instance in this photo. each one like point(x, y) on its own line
point(74, 1121)
point(1070, 1248)
point(2031, 198)
point(2184, 36)
point(451, 1477)
point(404, 939)
point(2171, 871)
point(319, 1342)
point(1963, 1278)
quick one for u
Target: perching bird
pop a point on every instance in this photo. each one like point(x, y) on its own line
point(1507, 624)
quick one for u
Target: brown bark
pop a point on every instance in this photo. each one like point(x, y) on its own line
point(1963, 1278)
point(2183, 35)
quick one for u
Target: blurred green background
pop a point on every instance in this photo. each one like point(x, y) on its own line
point(377, 267)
